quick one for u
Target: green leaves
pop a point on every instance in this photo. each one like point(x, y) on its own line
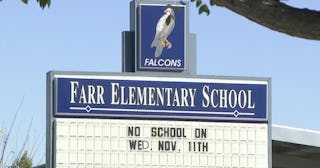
point(25, 1)
point(198, 3)
point(212, 2)
point(203, 7)
point(42, 3)
point(24, 162)
point(183, 3)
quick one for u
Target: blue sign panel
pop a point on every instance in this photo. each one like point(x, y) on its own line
point(162, 98)
point(162, 37)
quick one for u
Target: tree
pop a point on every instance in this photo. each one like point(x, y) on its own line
point(23, 162)
point(42, 3)
point(20, 158)
point(303, 23)
point(274, 14)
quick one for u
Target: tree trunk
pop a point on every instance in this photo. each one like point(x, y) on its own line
point(303, 23)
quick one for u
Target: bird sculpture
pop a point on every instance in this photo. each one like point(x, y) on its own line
point(164, 27)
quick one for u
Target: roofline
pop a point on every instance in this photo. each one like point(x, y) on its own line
point(295, 135)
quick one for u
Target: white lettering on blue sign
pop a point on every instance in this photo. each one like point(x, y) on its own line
point(176, 63)
point(180, 97)
point(161, 99)
point(227, 98)
point(152, 96)
point(89, 94)
point(157, 96)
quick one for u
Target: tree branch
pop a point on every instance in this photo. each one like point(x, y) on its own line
point(303, 23)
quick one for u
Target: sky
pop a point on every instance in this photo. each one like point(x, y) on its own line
point(86, 36)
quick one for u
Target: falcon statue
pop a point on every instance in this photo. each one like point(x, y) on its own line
point(164, 27)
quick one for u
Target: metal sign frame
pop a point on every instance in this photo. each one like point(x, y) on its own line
point(53, 75)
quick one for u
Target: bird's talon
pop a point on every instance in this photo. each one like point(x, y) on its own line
point(162, 43)
point(169, 44)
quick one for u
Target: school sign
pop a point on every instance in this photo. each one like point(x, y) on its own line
point(165, 97)
point(165, 115)
point(162, 37)
point(156, 117)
